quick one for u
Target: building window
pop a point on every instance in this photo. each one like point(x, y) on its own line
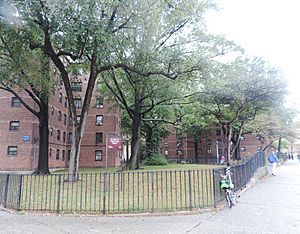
point(219, 141)
point(69, 155)
point(259, 148)
point(58, 135)
point(59, 116)
point(66, 102)
point(65, 119)
point(208, 151)
point(200, 151)
point(78, 118)
point(179, 152)
point(179, 143)
point(99, 137)
point(50, 153)
point(70, 137)
point(218, 132)
point(57, 154)
point(99, 119)
point(76, 86)
point(52, 110)
point(51, 131)
point(98, 155)
point(14, 125)
point(259, 138)
point(243, 149)
point(63, 155)
point(78, 103)
point(242, 138)
point(60, 97)
point(99, 102)
point(70, 121)
point(166, 144)
point(64, 137)
point(166, 152)
point(15, 102)
point(208, 141)
point(12, 150)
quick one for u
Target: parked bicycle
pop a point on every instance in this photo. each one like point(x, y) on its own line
point(227, 185)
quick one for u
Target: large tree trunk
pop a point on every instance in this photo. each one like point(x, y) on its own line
point(136, 134)
point(43, 163)
point(227, 134)
point(196, 147)
point(135, 144)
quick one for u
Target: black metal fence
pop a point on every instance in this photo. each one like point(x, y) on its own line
point(242, 173)
point(123, 192)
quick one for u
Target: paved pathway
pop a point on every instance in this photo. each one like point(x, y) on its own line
point(271, 206)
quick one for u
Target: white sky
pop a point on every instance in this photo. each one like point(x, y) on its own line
point(267, 28)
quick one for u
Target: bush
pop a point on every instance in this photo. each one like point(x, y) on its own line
point(156, 160)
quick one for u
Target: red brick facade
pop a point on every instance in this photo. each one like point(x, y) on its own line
point(26, 136)
point(181, 147)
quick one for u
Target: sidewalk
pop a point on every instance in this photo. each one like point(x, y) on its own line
point(270, 206)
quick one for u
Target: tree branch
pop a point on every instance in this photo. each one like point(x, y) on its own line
point(8, 89)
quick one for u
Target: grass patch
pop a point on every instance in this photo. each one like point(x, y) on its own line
point(144, 168)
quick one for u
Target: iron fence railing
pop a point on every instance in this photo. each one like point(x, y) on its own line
point(122, 192)
point(242, 173)
point(111, 192)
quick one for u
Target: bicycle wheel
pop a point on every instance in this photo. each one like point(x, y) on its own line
point(228, 199)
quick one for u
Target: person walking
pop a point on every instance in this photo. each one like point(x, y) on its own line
point(273, 161)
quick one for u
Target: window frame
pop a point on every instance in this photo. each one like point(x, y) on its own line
point(14, 128)
point(100, 122)
point(57, 154)
point(16, 102)
point(99, 139)
point(10, 152)
point(101, 153)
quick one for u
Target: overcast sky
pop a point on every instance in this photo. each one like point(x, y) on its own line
point(268, 28)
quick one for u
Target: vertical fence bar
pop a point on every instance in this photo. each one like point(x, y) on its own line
point(19, 192)
point(58, 193)
point(214, 187)
point(190, 189)
point(104, 191)
point(5, 197)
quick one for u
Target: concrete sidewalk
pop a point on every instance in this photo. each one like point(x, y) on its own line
point(271, 206)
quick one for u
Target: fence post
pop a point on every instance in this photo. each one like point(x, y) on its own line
point(190, 189)
point(6, 191)
point(104, 191)
point(214, 188)
point(20, 192)
point(58, 193)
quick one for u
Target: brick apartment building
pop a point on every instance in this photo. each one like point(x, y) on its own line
point(179, 146)
point(19, 145)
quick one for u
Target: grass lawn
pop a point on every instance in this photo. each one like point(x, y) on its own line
point(168, 167)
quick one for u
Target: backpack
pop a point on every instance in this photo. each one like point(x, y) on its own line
point(271, 158)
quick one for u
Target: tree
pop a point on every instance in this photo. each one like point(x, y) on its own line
point(237, 92)
point(20, 68)
point(100, 36)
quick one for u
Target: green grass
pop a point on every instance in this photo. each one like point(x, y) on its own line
point(143, 168)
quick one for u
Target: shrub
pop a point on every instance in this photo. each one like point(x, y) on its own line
point(156, 160)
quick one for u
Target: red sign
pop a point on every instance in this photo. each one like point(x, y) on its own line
point(114, 143)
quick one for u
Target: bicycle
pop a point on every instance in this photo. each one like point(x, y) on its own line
point(227, 185)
